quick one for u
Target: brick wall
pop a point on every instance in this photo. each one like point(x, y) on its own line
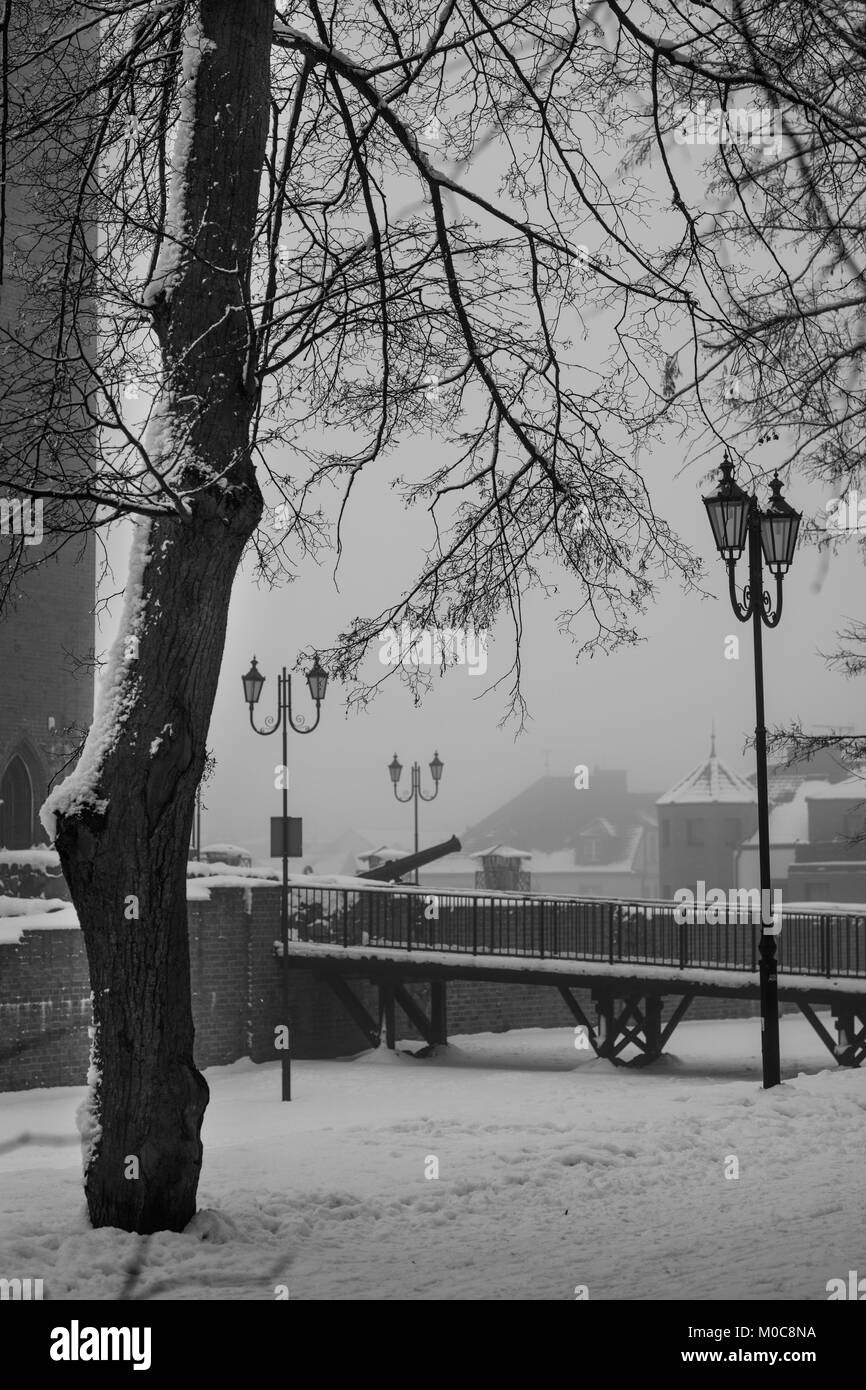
point(237, 998)
point(44, 1011)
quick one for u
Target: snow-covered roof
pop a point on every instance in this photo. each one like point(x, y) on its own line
point(598, 824)
point(713, 781)
point(852, 789)
point(225, 849)
point(502, 852)
point(789, 821)
point(450, 865)
point(384, 852)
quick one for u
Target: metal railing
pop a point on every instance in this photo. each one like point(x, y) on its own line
point(561, 928)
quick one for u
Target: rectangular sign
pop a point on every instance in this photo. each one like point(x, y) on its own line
point(290, 830)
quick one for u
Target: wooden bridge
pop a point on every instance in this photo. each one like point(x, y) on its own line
point(633, 956)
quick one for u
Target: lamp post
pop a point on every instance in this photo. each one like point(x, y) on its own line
point(736, 519)
point(395, 768)
point(253, 681)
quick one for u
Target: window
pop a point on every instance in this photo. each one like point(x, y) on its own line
point(695, 832)
point(666, 834)
point(733, 830)
point(16, 806)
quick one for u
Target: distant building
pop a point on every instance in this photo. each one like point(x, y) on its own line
point(784, 779)
point(594, 841)
point(830, 866)
point(708, 831)
point(789, 828)
point(227, 854)
point(816, 817)
point(702, 821)
point(610, 862)
point(502, 867)
point(47, 623)
point(338, 856)
point(375, 858)
point(551, 814)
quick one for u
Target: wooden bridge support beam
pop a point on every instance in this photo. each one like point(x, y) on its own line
point(351, 1003)
point(849, 1048)
point(653, 1024)
point(438, 1013)
point(386, 1008)
point(413, 1011)
point(391, 993)
point(605, 1030)
point(851, 1035)
point(639, 1022)
point(581, 1017)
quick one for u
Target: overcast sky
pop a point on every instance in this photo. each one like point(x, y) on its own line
point(648, 709)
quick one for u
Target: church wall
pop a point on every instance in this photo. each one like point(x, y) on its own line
point(46, 620)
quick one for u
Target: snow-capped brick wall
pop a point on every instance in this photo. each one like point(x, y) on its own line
point(33, 873)
point(236, 984)
point(44, 1010)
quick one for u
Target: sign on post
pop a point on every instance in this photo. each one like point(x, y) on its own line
point(288, 833)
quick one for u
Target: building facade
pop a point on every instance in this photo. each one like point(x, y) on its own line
point(47, 577)
point(594, 841)
point(702, 822)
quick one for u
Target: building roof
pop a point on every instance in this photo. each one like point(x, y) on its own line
point(551, 813)
point(789, 821)
point(337, 856)
point(385, 852)
point(711, 781)
point(783, 779)
point(503, 852)
point(600, 823)
point(559, 861)
point(852, 789)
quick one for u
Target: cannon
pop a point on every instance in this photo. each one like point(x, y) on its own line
point(396, 868)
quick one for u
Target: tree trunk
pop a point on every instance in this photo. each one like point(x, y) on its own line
point(123, 826)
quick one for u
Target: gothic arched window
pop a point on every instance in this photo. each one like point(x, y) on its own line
point(16, 806)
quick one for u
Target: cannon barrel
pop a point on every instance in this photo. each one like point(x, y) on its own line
point(396, 868)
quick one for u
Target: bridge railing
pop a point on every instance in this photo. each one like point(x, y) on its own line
point(560, 928)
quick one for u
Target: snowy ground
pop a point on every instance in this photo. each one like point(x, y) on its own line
point(554, 1170)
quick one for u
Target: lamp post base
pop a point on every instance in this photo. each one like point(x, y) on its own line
point(770, 1051)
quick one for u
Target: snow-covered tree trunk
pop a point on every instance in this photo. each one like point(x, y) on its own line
point(123, 819)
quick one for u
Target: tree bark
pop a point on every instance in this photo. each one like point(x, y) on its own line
point(124, 851)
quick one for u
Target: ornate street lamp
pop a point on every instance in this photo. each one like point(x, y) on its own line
point(253, 682)
point(415, 794)
point(737, 521)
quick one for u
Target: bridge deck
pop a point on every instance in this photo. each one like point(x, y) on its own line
point(556, 940)
point(383, 962)
point(634, 952)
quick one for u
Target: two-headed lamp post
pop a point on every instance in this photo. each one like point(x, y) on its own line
point(395, 768)
point(771, 536)
point(253, 681)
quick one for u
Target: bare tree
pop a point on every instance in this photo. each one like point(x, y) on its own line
point(285, 233)
point(750, 113)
